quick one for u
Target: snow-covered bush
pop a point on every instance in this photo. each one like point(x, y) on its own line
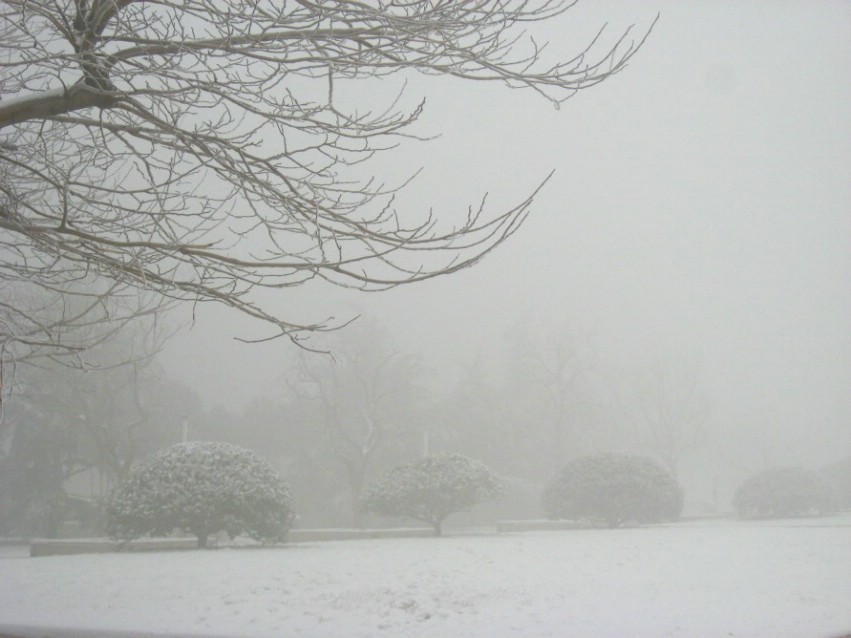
point(433, 487)
point(784, 491)
point(614, 488)
point(202, 488)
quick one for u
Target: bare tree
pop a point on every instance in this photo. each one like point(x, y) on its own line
point(87, 327)
point(56, 310)
point(548, 371)
point(671, 411)
point(201, 149)
point(105, 409)
point(365, 397)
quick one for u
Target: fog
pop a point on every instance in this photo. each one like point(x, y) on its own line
point(669, 323)
point(680, 287)
point(697, 220)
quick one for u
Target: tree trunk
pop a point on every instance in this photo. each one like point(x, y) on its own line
point(558, 445)
point(202, 540)
point(356, 483)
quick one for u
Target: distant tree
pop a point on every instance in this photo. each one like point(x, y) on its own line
point(202, 488)
point(839, 474)
point(668, 409)
point(432, 488)
point(473, 417)
point(547, 377)
point(784, 491)
point(33, 469)
point(105, 416)
point(200, 150)
point(56, 327)
point(614, 488)
point(363, 399)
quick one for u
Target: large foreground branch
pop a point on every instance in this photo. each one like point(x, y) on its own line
point(202, 150)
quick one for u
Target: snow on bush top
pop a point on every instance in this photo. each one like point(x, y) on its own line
point(614, 488)
point(202, 488)
point(433, 487)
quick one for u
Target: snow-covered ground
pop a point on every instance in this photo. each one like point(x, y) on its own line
point(787, 578)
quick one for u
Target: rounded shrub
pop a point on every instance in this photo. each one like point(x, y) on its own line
point(433, 487)
point(784, 491)
point(202, 488)
point(614, 488)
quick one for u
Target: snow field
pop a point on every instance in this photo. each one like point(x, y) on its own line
point(788, 578)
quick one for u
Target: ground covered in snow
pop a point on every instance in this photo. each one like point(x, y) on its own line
point(783, 578)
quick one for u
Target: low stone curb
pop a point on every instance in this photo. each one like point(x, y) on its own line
point(65, 546)
point(34, 631)
point(13, 541)
point(540, 525)
point(311, 535)
point(68, 546)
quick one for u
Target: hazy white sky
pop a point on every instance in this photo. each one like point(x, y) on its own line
point(701, 206)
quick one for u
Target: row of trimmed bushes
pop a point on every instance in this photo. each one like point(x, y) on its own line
point(616, 488)
point(206, 487)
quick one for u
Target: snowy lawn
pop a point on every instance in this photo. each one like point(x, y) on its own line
point(787, 578)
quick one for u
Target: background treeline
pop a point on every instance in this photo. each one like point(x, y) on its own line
point(525, 408)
